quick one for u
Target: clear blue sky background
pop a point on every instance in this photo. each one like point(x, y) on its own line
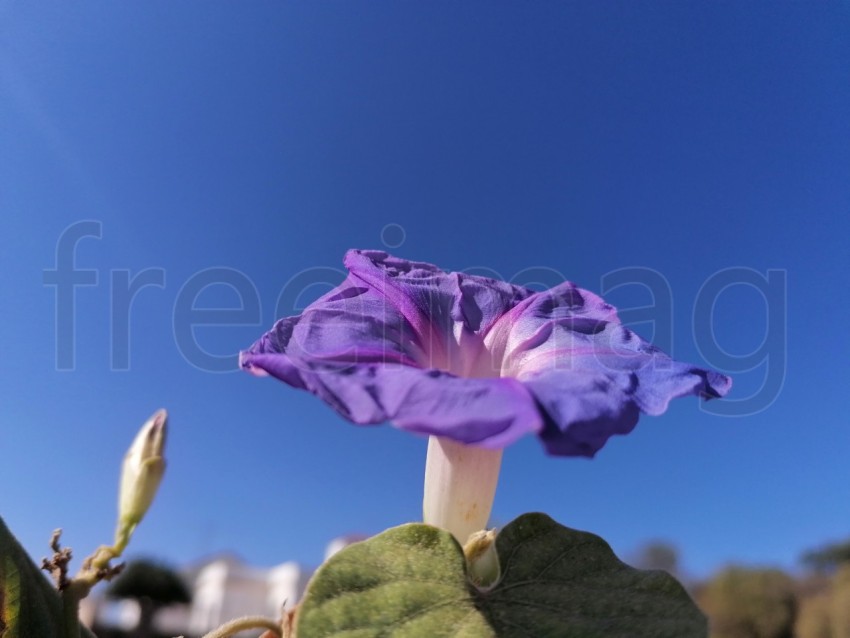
point(269, 137)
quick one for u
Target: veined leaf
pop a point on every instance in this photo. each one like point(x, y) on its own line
point(410, 581)
point(29, 605)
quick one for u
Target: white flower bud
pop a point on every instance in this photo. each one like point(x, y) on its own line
point(142, 472)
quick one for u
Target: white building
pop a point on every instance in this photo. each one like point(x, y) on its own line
point(222, 588)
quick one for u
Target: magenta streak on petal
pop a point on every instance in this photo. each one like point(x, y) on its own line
point(429, 338)
point(527, 312)
point(535, 362)
point(497, 335)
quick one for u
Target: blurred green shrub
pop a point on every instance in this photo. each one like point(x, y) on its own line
point(829, 557)
point(750, 603)
point(840, 603)
point(813, 618)
point(153, 586)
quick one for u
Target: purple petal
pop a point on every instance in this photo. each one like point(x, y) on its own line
point(581, 411)
point(368, 348)
point(473, 359)
point(490, 413)
point(590, 375)
point(446, 311)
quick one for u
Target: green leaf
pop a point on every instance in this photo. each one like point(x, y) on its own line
point(410, 581)
point(29, 605)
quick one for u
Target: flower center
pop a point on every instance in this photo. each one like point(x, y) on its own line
point(468, 355)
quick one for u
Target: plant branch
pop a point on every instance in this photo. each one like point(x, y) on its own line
point(244, 623)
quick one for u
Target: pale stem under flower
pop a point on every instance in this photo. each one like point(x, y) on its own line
point(460, 484)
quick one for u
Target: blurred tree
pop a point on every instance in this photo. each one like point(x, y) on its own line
point(813, 617)
point(814, 599)
point(658, 555)
point(840, 603)
point(749, 603)
point(828, 557)
point(153, 586)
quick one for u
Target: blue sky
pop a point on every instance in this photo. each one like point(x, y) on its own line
point(689, 147)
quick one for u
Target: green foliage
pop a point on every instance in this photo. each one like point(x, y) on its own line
point(151, 580)
point(750, 603)
point(825, 613)
point(411, 581)
point(829, 557)
point(29, 605)
point(840, 603)
point(154, 586)
point(813, 618)
point(658, 555)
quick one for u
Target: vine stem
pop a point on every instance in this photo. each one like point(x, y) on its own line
point(71, 597)
point(246, 622)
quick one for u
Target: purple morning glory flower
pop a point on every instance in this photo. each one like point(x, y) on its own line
point(474, 360)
